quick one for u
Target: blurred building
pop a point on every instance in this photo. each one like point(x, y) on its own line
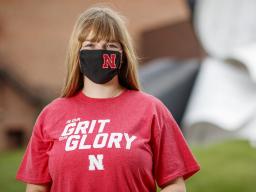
point(33, 41)
point(19, 106)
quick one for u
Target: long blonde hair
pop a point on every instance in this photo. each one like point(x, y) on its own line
point(106, 24)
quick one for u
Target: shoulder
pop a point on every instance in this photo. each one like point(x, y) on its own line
point(55, 106)
point(56, 103)
point(143, 96)
point(147, 99)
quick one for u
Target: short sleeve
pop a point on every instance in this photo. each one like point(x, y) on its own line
point(172, 156)
point(34, 165)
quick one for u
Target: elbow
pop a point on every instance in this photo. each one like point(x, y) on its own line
point(177, 185)
point(38, 188)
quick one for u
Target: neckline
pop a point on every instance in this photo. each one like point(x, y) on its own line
point(86, 98)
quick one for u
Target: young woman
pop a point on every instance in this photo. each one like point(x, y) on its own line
point(103, 133)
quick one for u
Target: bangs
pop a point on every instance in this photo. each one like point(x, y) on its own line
point(102, 27)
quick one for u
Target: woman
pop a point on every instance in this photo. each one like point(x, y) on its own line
point(103, 133)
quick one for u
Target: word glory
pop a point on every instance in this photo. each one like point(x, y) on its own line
point(78, 135)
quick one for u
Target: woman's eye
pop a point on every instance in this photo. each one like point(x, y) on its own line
point(88, 45)
point(112, 45)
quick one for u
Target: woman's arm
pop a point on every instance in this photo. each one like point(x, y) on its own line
point(38, 187)
point(177, 185)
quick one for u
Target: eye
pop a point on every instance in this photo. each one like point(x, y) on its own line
point(88, 45)
point(112, 45)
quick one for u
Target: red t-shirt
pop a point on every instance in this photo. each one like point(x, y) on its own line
point(123, 143)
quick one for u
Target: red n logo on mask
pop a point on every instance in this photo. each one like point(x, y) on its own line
point(109, 61)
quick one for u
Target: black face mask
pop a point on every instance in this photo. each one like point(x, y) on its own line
point(100, 66)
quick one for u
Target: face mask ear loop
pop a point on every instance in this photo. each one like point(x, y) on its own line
point(120, 66)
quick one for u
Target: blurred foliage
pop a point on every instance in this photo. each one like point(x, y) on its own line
point(226, 167)
point(9, 163)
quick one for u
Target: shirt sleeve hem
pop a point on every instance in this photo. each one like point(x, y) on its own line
point(32, 180)
point(185, 173)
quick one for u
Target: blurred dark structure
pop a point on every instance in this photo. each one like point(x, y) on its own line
point(171, 81)
point(191, 5)
point(171, 56)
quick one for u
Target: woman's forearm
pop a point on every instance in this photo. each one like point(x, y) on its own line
point(178, 185)
point(38, 188)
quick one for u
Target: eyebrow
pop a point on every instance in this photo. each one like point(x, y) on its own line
point(95, 41)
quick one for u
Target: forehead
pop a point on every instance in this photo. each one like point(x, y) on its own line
point(92, 37)
point(101, 41)
point(99, 28)
point(97, 31)
point(97, 37)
